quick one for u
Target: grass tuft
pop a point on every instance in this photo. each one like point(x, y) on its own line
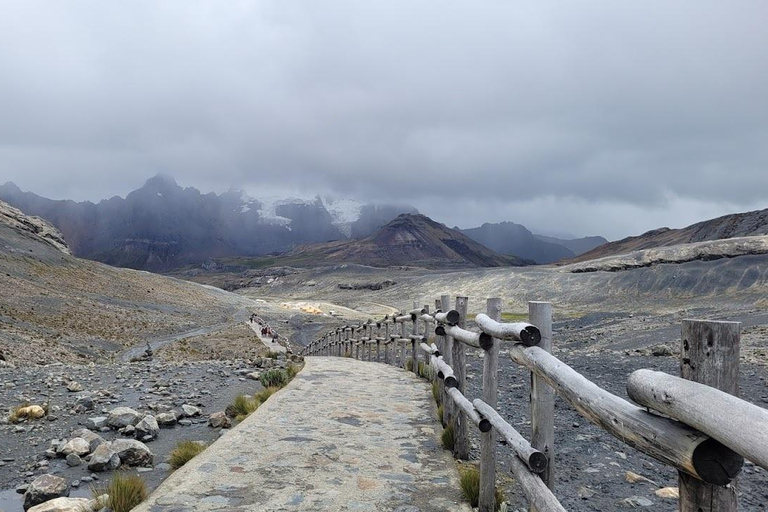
point(291, 370)
point(274, 378)
point(184, 452)
point(448, 438)
point(470, 487)
point(125, 492)
point(265, 393)
point(436, 393)
point(441, 414)
point(272, 354)
point(242, 406)
point(409, 365)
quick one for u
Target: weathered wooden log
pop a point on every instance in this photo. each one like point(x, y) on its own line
point(448, 407)
point(417, 311)
point(533, 458)
point(417, 337)
point(666, 440)
point(704, 408)
point(473, 339)
point(429, 349)
point(518, 331)
point(451, 317)
point(444, 372)
point(539, 495)
point(404, 318)
point(469, 410)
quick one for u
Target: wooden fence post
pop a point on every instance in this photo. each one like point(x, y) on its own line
point(487, 499)
point(709, 355)
point(543, 396)
point(387, 342)
point(414, 353)
point(448, 405)
point(402, 347)
point(461, 440)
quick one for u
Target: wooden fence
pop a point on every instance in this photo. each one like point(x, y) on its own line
point(705, 433)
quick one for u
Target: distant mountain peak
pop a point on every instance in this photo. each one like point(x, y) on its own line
point(10, 187)
point(161, 182)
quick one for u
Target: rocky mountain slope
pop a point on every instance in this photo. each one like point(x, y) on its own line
point(409, 239)
point(162, 225)
point(55, 307)
point(515, 239)
point(576, 245)
point(729, 226)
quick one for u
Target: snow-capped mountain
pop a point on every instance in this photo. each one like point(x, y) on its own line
point(162, 225)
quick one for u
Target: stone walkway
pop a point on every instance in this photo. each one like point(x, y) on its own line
point(343, 435)
point(268, 342)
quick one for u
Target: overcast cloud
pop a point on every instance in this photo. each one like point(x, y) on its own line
point(570, 117)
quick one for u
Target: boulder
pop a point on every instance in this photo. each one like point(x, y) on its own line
point(63, 505)
point(96, 423)
point(166, 419)
point(219, 420)
point(132, 452)
point(84, 402)
point(74, 460)
point(121, 417)
point(93, 439)
point(45, 488)
point(190, 410)
point(104, 458)
point(77, 445)
point(147, 428)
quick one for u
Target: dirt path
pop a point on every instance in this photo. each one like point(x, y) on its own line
point(334, 439)
point(268, 342)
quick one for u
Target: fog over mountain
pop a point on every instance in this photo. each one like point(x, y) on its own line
point(162, 225)
point(596, 117)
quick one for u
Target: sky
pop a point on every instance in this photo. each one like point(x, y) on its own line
point(572, 118)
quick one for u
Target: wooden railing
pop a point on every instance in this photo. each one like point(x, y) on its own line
point(705, 434)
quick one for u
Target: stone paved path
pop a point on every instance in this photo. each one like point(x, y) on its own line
point(343, 435)
point(268, 342)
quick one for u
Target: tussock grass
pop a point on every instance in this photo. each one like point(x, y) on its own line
point(265, 393)
point(184, 452)
point(470, 487)
point(426, 371)
point(274, 378)
point(441, 414)
point(243, 405)
point(18, 414)
point(409, 365)
point(448, 438)
point(291, 370)
point(272, 354)
point(125, 492)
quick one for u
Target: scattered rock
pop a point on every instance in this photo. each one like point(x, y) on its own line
point(78, 446)
point(634, 478)
point(94, 440)
point(166, 419)
point(132, 452)
point(668, 492)
point(636, 501)
point(121, 417)
point(74, 387)
point(96, 423)
point(45, 488)
point(219, 420)
point(74, 460)
point(64, 505)
point(147, 428)
point(190, 410)
point(103, 458)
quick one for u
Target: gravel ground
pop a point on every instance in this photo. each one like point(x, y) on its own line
point(146, 387)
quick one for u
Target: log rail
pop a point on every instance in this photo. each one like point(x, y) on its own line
point(678, 422)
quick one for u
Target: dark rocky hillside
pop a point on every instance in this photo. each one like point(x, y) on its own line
point(163, 226)
point(408, 240)
point(515, 239)
point(576, 245)
point(729, 226)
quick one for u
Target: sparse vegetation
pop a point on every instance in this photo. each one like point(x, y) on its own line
point(448, 438)
point(25, 411)
point(184, 452)
point(272, 354)
point(243, 405)
point(436, 393)
point(265, 393)
point(274, 378)
point(470, 487)
point(441, 414)
point(409, 365)
point(292, 370)
point(125, 492)
point(426, 371)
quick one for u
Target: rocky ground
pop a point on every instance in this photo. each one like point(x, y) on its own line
point(591, 466)
point(149, 387)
